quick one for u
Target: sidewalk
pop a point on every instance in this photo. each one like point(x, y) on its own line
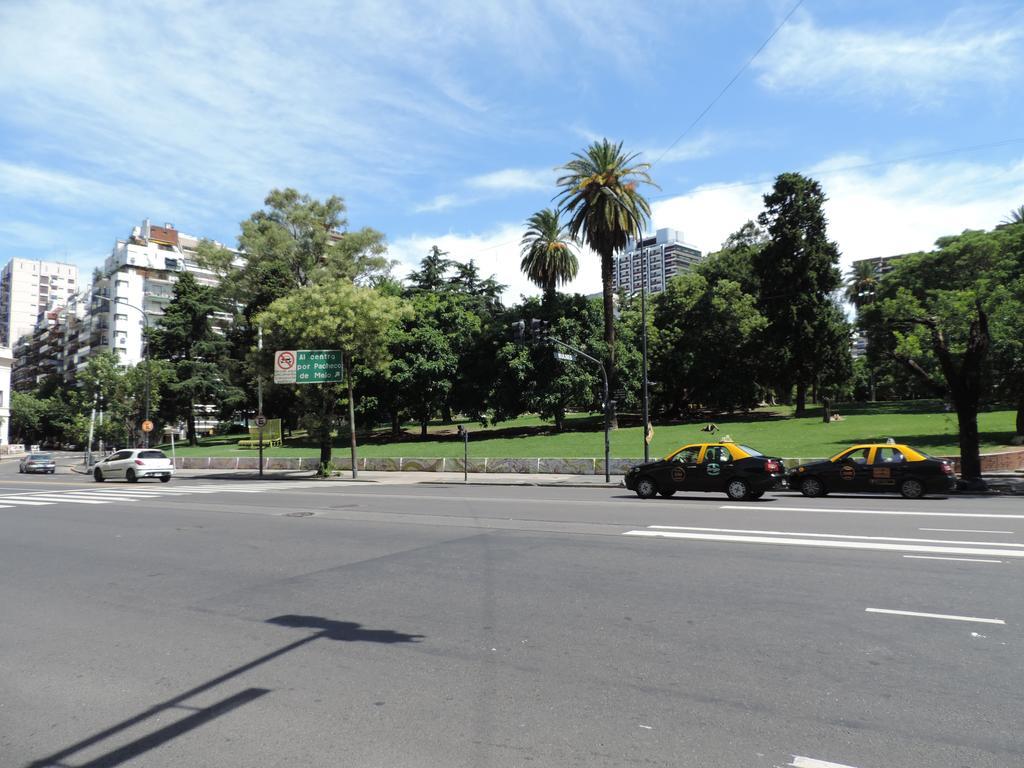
point(1003, 484)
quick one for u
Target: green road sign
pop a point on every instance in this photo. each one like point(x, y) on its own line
point(308, 366)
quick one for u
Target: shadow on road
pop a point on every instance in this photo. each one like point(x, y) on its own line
point(346, 631)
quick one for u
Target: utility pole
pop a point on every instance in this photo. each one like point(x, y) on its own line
point(260, 418)
point(351, 413)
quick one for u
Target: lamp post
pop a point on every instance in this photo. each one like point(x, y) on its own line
point(643, 336)
point(145, 324)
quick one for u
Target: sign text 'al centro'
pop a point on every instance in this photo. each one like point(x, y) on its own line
point(308, 366)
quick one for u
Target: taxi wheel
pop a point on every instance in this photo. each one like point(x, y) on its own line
point(812, 487)
point(912, 489)
point(737, 489)
point(755, 495)
point(645, 488)
point(668, 494)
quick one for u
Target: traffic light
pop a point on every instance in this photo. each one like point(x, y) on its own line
point(519, 332)
point(539, 330)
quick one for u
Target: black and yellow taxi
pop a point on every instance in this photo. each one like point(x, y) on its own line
point(875, 468)
point(723, 467)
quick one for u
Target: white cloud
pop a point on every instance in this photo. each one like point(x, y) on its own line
point(440, 203)
point(921, 66)
point(702, 146)
point(871, 212)
point(514, 179)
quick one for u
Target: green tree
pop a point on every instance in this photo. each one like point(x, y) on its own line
point(599, 194)
point(334, 314)
point(942, 330)
point(433, 272)
point(185, 336)
point(27, 414)
point(799, 273)
point(120, 392)
point(702, 330)
point(1007, 329)
point(735, 260)
point(861, 283)
point(548, 257)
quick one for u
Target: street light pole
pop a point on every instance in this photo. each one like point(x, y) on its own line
point(643, 336)
point(145, 324)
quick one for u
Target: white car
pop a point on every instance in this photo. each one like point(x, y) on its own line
point(133, 463)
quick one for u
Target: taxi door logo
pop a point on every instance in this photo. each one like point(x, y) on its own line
point(678, 474)
point(714, 470)
point(847, 473)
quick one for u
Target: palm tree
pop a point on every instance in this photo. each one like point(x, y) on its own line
point(1016, 217)
point(861, 283)
point(548, 252)
point(599, 192)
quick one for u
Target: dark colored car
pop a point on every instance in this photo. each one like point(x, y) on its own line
point(875, 468)
point(726, 467)
point(38, 462)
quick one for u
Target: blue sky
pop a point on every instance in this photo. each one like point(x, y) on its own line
point(442, 121)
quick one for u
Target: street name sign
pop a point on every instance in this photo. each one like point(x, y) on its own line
point(308, 366)
point(564, 356)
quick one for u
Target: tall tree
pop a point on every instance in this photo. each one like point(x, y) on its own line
point(945, 331)
point(861, 283)
point(599, 193)
point(1016, 216)
point(433, 271)
point(334, 314)
point(548, 253)
point(799, 273)
point(185, 336)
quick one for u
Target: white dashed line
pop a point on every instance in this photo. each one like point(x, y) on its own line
point(828, 543)
point(961, 559)
point(837, 536)
point(946, 616)
point(810, 762)
point(961, 530)
point(773, 508)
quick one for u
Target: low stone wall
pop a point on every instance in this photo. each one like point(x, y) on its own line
point(1006, 461)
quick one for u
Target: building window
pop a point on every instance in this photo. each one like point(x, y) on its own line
point(122, 283)
point(120, 317)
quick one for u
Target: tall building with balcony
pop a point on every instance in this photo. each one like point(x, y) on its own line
point(29, 287)
point(136, 280)
point(666, 254)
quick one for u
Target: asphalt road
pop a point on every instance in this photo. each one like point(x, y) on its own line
point(304, 623)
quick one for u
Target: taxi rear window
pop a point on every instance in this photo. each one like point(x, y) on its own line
point(749, 450)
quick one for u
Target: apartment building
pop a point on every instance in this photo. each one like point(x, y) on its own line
point(6, 363)
point(132, 289)
point(29, 287)
point(666, 254)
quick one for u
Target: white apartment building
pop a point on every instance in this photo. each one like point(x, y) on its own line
point(29, 287)
point(6, 361)
point(666, 255)
point(136, 279)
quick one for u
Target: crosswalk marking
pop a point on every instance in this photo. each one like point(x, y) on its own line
point(131, 492)
point(838, 536)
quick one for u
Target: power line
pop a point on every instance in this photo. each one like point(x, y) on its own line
point(856, 167)
point(728, 85)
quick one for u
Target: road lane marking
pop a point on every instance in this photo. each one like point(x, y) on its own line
point(810, 762)
point(828, 543)
point(838, 536)
point(961, 530)
point(73, 499)
point(961, 559)
point(934, 616)
point(26, 502)
point(773, 508)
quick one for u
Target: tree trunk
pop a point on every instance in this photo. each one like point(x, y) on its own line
point(396, 423)
point(970, 443)
point(423, 427)
point(1020, 414)
point(193, 439)
point(609, 326)
point(559, 419)
point(826, 410)
point(814, 392)
point(801, 399)
point(446, 413)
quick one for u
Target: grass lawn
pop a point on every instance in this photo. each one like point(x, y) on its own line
point(922, 424)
